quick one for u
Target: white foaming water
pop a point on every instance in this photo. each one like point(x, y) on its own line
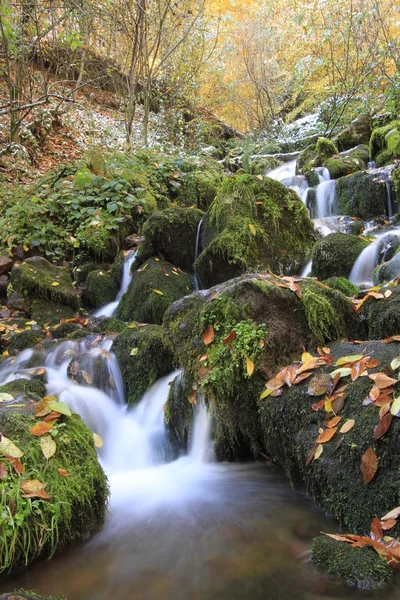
point(286, 170)
point(307, 269)
point(109, 309)
point(200, 448)
point(361, 273)
point(325, 194)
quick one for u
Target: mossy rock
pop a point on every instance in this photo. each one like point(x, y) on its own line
point(100, 289)
point(172, 233)
point(24, 340)
point(199, 187)
point(36, 277)
point(81, 272)
point(64, 330)
point(78, 334)
point(388, 271)
point(357, 132)
point(142, 357)
point(110, 325)
point(43, 311)
point(378, 141)
point(361, 195)
point(253, 224)
point(77, 503)
point(117, 269)
point(33, 389)
point(342, 284)
point(179, 411)
point(315, 155)
point(290, 427)
point(261, 166)
point(383, 316)
point(384, 158)
point(25, 595)
point(340, 166)
point(272, 325)
point(153, 288)
point(358, 567)
point(335, 255)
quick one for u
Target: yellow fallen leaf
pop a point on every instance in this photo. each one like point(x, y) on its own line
point(347, 426)
point(249, 366)
point(265, 394)
point(252, 228)
point(318, 451)
point(55, 283)
point(158, 292)
point(98, 442)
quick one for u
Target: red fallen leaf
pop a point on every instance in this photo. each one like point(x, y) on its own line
point(63, 472)
point(326, 435)
point(382, 380)
point(33, 488)
point(318, 405)
point(357, 370)
point(301, 378)
point(41, 428)
point(310, 365)
point(383, 426)
point(230, 337)
point(275, 383)
point(388, 524)
point(369, 465)
point(294, 287)
point(372, 363)
point(334, 384)
point(384, 410)
point(52, 416)
point(208, 335)
point(387, 391)
point(376, 529)
point(16, 464)
point(3, 471)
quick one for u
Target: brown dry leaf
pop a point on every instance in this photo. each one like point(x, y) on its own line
point(376, 529)
point(319, 385)
point(16, 464)
point(372, 363)
point(310, 365)
point(349, 424)
point(40, 371)
point(338, 538)
point(230, 337)
point(382, 401)
point(41, 428)
point(63, 472)
point(374, 393)
point(249, 366)
point(333, 422)
point(388, 524)
point(326, 435)
point(33, 488)
point(42, 407)
point(384, 410)
point(3, 471)
point(301, 378)
point(98, 442)
point(193, 397)
point(318, 405)
point(208, 335)
point(288, 375)
point(53, 416)
point(311, 454)
point(275, 383)
point(382, 380)
point(392, 514)
point(369, 465)
point(357, 370)
point(337, 402)
point(392, 338)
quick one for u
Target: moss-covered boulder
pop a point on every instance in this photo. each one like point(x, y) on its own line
point(378, 142)
point(172, 233)
point(24, 340)
point(153, 288)
point(110, 325)
point(179, 411)
point(271, 324)
point(383, 315)
point(100, 289)
point(46, 312)
point(253, 223)
point(361, 195)
point(198, 187)
point(315, 155)
point(342, 284)
point(335, 255)
point(36, 277)
point(142, 357)
point(291, 426)
point(74, 501)
point(358, 567)
point(30, 390)
point(389, 270)
point(340, 166)
point(356, 132)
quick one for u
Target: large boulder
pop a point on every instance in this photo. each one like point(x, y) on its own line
point(378, 143)
point(357, 132)
point(142, 357)
point(153, 288)
point(100, 289)
point(71, 503)
point(315, 155)
point(361, 195)
point(271, 324)
point(348, 162)
point(382, 315)
point(253, 223)
point(172, 233)
point(335, 255)
point(388, 270)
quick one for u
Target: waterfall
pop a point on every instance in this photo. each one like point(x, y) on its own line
point(200, 449)
point(325, 196)
point(109, 309)
point(372, 256)
point(283, 172)
point(307, 269)
point(196, 253)
point(388, 184)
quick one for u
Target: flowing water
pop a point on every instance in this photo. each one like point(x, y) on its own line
point(196, 253)
point(376, 253)
point(109, 309)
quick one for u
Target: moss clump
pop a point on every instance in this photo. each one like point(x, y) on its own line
point(322, 318)
point(384, 158)
point(361, 195)
point(24, 340)
point(253, 223)
point(357, 132)
point(261, 166)
point(315, 155)
point(33, 388)
point(172, 232)
point(341, 166)
point(64, 330)
point(81, 272)
point(100, 289)
point(335, 255)
point(153, 288)
point(110, 325)
point(44, 311)
point(35, 278)
point(78, 334)
point(359, 567)
point(179, 411)
point(199, 188)
point(25, 595)
point(378, 141)
point(143, 358)
point(383, 316)
point(77, 503)
point(342, 284)
point(325, 148)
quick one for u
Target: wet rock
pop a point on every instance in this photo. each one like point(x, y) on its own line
point(357, 132)
point(17, 302)
point(179, 411)
point(100, 289)
point(383, 316)
point(335, 255)
point(6, 264)
point(134, 240)
point(388, 271)
point(362, 195)
point(4, 281)
point(24, 340)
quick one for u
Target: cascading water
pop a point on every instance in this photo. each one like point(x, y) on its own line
point(109, 309)
point(196, 253)
point(325, 196)
point(373, 255)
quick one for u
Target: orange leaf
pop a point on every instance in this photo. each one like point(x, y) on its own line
point(374, 393)
point(63, 472)
point(333, 422)
point(230, 337)
point(16, 464)
point(326, 435)
point(372, 363)
point(208, 335)
point(369, 465)
point(249, 366)
point(347, 426)
point(383, 426)
point(52, 416)
point(40, 371)
point(41, 428)
point(33, 488)
point(382, 401)
point(382, 380)
point(388, 524)
point(288, 374)
point(301, 378)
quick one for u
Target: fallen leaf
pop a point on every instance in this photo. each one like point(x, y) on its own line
point(63, 472)
point(252, 228)
point(343, 372)
point(326, 435)
point(318, 451)
point(6, 397)
point(3, 471)
point(33, 488)
point(42, 407)
point(249, 366)
point(395, 364)
point(41, 428)
point(392, 514)
point(302, 377)
point(48, 446)
point(159, 292)
point(319, 385)
point(343, 360)
point(60, 407)
point(381, 380)
point(395, 409)
point(388, 293)
point(265, 394)
point(333, 422)
point(16, 464)
point(288, 375)
point(52, 417)
point(388, 524)
point(369, 465)
point(376, 529)
point(98, 442)
point(208, 335)
point(8, 448)
point(40, 371)
point(193, 397)
point(372, 363)
point(230, 337)
point(55, 283)
point(349, 424)
point(134, 352)
point(328, 405)
point(87, 377)
point(338, 538)
point(383, 426)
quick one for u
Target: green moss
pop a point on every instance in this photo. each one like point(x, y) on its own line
point(110, 325)
point(77, 503)
point(385, 157)
point(342, 166)
point(312, 178)
point(341, 284)
point(253, 223)
point(179, 411)
point(378, 142)
point(335, 255)
point(325, 148)
point(100, 289)
point(82, 271)
point(322, 318)
point(34, 388)
point(172, 232)
point(361, 195)
point(143, 358)
point(35, 278)
point(383, 317)
point(153, 288)
point(44, 311)
point(26, 595)
point(64, 330)
point(78, 334)
point(24, 340)
point(199, 188)
point(261, 166)
point(359, 567)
